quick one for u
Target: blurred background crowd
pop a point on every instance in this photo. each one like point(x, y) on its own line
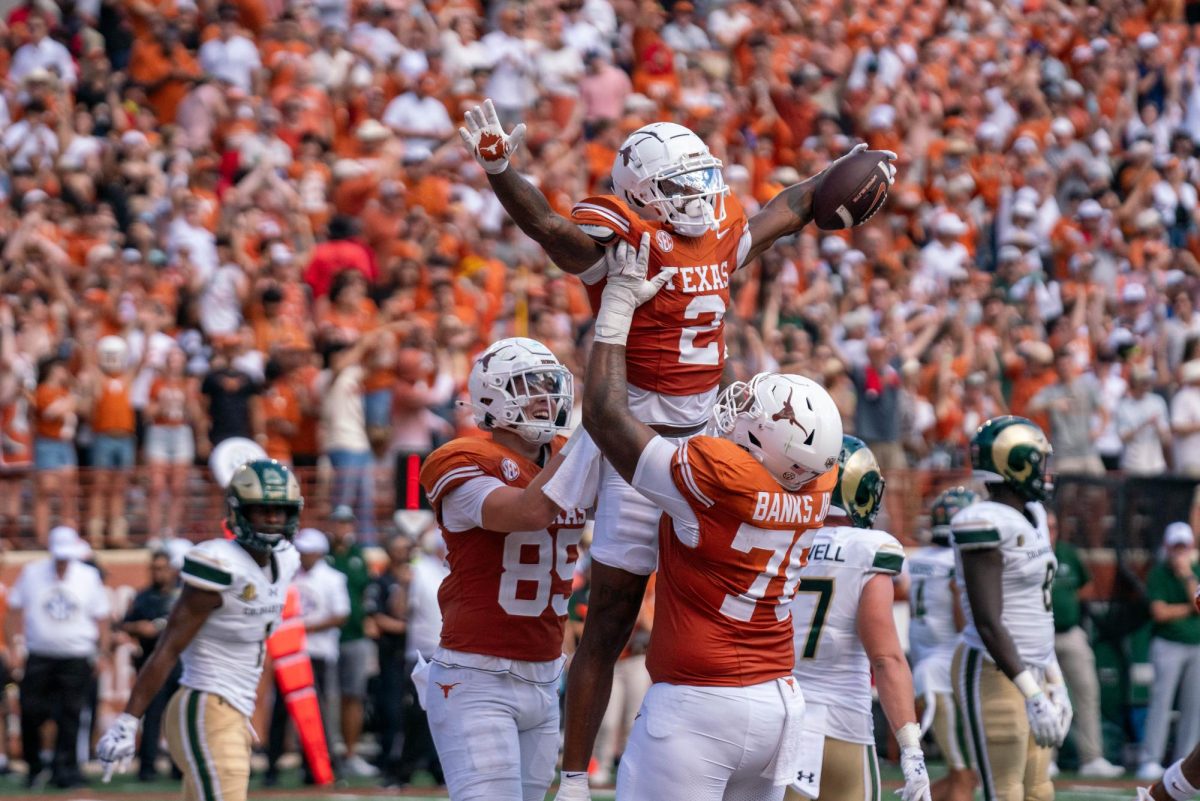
point(254, 218)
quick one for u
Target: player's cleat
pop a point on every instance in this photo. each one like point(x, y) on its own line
point(360, 768)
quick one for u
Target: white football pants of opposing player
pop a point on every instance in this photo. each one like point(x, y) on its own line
point(496, 734)
point(713, 743)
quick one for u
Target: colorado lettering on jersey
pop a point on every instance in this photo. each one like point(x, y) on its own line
point(1038, 552)
point(825, 552)
point(783, 507)
point(921, 569)
point(700, 278)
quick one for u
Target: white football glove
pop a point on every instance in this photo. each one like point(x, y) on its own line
point(118, 744)
point(626, 289)
point(860, 147)
point(1066, 713)
point(912, 764)
point(573, 787)
point(1045, 718)
point(484, 137)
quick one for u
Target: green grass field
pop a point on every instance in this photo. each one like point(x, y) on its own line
point(127, 789)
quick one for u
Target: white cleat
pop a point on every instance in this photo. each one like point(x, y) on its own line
point(1101, 768)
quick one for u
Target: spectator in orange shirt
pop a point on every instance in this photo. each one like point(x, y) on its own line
point(170, 443)
point(281, 411)
point(108, 381)
point(165, 69)
point(347, 312)
point(54, 446)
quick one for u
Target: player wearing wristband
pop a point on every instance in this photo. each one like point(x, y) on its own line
point(1006, 679)
point(667, 188)
point(233, 595)
point(842, 614)
point(736, 506)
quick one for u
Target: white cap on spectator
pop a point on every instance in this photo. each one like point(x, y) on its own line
point(134, 139)
point(311, 540)
point(1062, 127)
point(1008, 253)
point(1023, 208)
point(1025, 146)
point(372, 131)
point(65, 544)
point(1189, 372)
point(988, 132)
point(279, 253)
point(1142, 147)
point(833, 246)
point(1099, 45)
point(131, 255)
point(1148, 218)
point(1178, 533)
point(1147, 41)
point(342, 514)
point(34, 196)
point(1082, 54)
point(1037, 352)
point(881, 117)
point(348, 168)
point(1022, 239)
point(950, 225)
point(1090, 209)
point(1133, 293)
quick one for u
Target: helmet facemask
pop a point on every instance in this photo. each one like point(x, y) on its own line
point(269, 524)
point(690, 197)
point(537, 403)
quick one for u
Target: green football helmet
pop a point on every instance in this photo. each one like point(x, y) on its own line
point(949, 503)
point(1013, 450)
point(859, 488)
point(258, 484)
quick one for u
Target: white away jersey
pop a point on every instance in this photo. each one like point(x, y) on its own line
point(226, 655)
point(931, 630)
point(1029, 566)
point(831, 664)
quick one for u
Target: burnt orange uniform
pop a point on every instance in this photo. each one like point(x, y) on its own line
point(677, 341)
point(506, 595)
point(720, 617)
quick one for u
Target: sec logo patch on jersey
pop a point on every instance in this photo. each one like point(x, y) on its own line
point(665, 242)
point(509, 469)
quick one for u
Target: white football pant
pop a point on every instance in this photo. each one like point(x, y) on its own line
point(704, 744)
point(496, 736)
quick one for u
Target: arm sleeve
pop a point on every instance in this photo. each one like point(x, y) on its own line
point(888, 559)
point(653, 480)
point(462, 507)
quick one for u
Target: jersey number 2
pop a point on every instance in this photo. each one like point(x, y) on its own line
point(710, 354)
point(551, 561)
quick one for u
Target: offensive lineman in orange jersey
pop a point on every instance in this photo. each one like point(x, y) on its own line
point(736, 506)
point(666, 184)
point(491, 687)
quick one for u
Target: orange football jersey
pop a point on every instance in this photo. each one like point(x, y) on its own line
point(677, 341)
point(721, 616)
point(507, 593)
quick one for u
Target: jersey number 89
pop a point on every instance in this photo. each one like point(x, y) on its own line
point(551, 561)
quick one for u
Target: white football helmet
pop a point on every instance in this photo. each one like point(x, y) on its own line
point(667, 174)
point(112, 354)
point(517, 384)
point(788, 423)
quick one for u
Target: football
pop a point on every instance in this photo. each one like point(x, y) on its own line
point(851, 191)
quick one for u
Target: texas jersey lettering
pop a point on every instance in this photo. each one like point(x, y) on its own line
point(506, 595)
point(720, 615)
point(677, 341)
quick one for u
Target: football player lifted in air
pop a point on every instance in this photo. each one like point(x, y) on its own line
point(233, 595)
point(844, 632)
point(935, 619)
point(491, 687)
point(722, 719)
point(669, 186)
point(1006, 679)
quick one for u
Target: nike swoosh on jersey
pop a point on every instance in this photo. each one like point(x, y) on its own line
point(721, 234)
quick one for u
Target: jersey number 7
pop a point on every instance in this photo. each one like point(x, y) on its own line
point(782, 545)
